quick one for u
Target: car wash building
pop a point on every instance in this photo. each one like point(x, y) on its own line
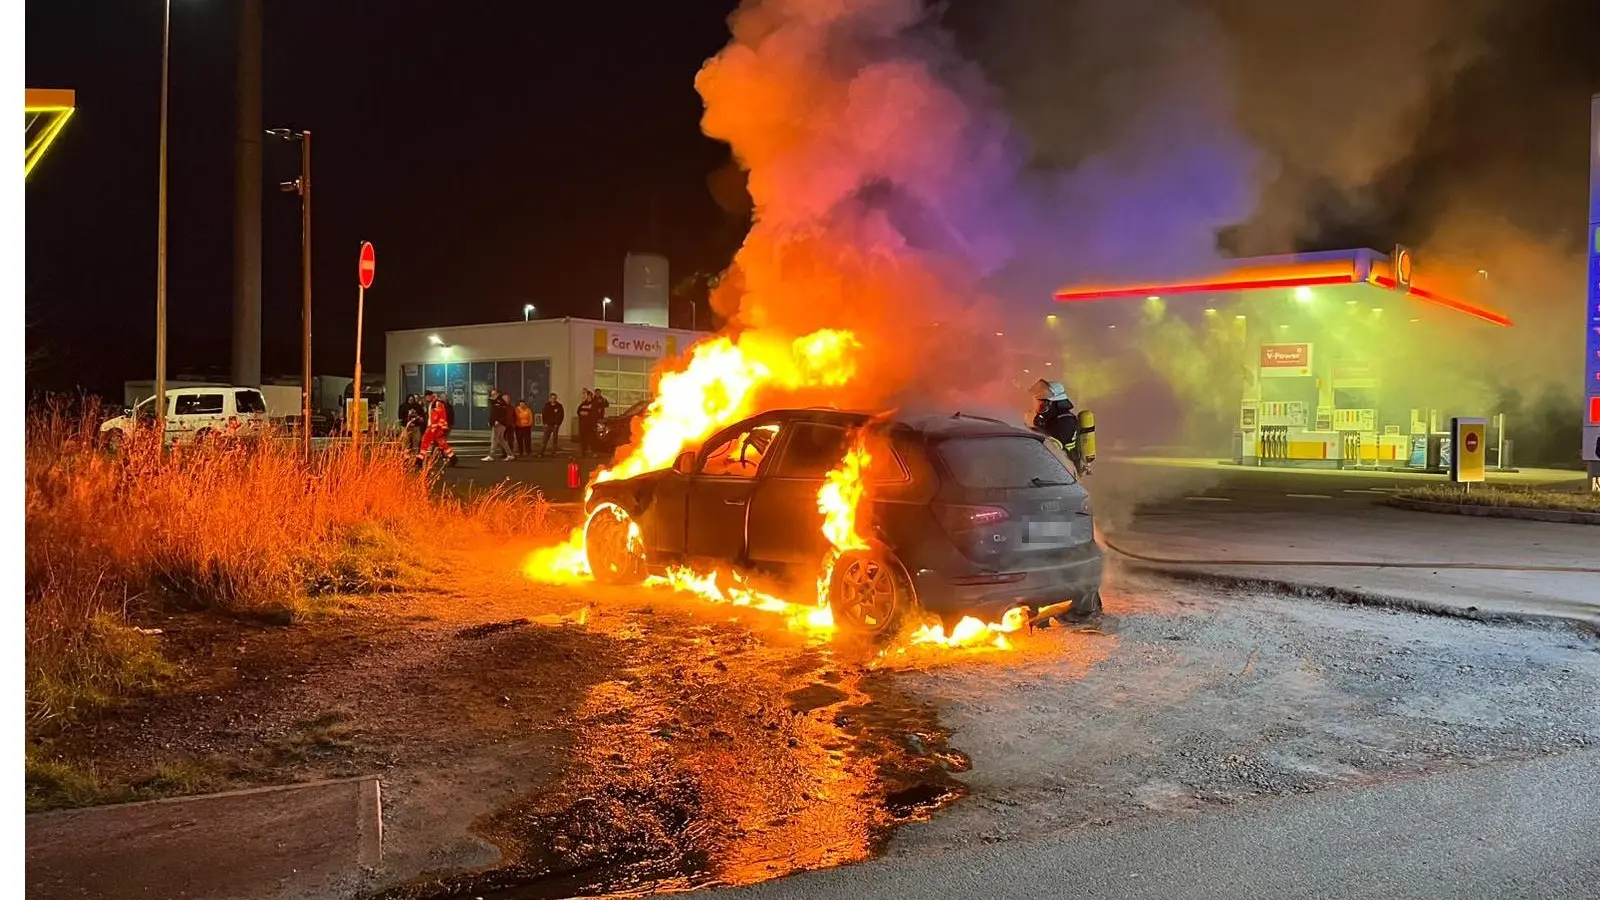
point(1333, 350)
point(530, 359)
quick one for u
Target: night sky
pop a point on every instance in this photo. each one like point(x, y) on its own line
point(504, 153)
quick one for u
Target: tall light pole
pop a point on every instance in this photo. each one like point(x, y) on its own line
point(161, 234)
point(302, 186)
point(605, 303)
point(528, 311)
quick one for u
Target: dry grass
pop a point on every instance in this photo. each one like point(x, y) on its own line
point(1506, 496)
point(251, 529)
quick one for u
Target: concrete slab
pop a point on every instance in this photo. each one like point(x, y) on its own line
point(309, 842)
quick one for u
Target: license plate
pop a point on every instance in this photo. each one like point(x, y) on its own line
point(1048, 532)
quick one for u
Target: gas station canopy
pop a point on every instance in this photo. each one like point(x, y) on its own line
point(47, 113)
point(1338, 267)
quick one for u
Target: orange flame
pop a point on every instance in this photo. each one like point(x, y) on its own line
point(724, 378)
point(732, 588)
point(840, 498)
point(973, 632)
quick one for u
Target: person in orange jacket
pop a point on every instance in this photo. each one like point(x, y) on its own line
point(524, 414)
point(438, 430)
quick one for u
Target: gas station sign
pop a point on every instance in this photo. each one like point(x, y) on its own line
point(1285, 360)
point(1469, 440)
point(1591, 316)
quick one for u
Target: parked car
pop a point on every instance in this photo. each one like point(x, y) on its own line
point(614, 432)
point(968, 516)
point(194, 414)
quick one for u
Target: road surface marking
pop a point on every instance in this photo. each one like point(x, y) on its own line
point(1364, 491)
point(1212, 499)
point(1310, 496)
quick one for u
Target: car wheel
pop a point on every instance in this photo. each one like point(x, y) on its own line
point(614, 546)
point(869, 594)
point(114, 440)
point(202, 437)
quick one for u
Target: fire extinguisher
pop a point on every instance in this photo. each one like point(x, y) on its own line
point(572, 475)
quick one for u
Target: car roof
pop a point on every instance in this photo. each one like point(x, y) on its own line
point(935, 425)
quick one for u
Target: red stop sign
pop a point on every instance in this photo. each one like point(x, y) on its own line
point(1471, 442)
point(367, 265)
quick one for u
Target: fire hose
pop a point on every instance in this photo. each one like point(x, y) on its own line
point(1344, 563)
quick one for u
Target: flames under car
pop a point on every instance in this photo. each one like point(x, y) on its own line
point(964, 515)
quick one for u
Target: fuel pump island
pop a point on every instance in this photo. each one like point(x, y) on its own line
point(1346, 359)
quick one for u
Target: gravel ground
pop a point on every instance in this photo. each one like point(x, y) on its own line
point(1192, 700)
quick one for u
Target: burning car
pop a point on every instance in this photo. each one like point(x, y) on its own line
point(963, 514)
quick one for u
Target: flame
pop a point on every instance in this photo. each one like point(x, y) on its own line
point(973, 632)
point(840, 498)
point(564, 563)
point(724, 378)
point(733, 588)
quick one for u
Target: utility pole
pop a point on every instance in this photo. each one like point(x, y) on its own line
point(160, 402)
point(305, 291)
point(302, 186)
point(247, 202)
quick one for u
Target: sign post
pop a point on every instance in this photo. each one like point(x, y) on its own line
point(366, 269)
point(1469, 446)
point(1591, 312)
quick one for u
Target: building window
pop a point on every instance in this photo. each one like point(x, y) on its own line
point(465, 386)
point(625, 380)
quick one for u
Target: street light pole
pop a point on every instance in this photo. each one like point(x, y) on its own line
point(528, 311)
point(161, 235)
point(605, 303)
point(302, 186)
point(305, 292)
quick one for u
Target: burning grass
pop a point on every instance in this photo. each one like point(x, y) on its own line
point(250, 529)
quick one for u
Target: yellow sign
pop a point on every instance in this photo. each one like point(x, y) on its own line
point(1468, 449)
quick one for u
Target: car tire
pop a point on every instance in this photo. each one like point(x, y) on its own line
point(870, 594)
point(202, 437)
point(114, 440)
point(613, 547)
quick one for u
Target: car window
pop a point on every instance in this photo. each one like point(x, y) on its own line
point(815, 448)
point(739, 456)
point(197, 405)
point(1002, 462)
point(812, 450)
point(249, 402)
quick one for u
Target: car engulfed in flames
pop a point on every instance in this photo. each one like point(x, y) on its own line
point(851, 512)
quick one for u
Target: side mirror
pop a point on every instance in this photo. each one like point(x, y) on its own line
point(684, 464)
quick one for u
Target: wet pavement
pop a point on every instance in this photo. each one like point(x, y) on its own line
point(721, 757)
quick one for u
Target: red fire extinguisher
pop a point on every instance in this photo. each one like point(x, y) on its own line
point(572, 475)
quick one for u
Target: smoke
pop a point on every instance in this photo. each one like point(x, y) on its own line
point(925, 177)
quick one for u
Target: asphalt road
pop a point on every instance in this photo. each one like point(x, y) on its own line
point(1496, 832)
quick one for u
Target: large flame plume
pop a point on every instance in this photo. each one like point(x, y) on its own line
point(722, 382)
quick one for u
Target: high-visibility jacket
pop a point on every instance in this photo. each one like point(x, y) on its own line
point(524, 416)
point(438, 416)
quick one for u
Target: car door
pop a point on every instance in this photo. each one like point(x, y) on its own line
point(720, 489)
point(785, 526)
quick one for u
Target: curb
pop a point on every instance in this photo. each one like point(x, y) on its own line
point(1564, 516)
point(1313, 591)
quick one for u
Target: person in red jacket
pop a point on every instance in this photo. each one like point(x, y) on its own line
point(438, 429)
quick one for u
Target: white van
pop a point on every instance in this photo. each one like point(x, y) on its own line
point(194, 414)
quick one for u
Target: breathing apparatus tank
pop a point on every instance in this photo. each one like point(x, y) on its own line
point(1086, 441)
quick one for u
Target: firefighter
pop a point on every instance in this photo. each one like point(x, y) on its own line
point(1053, 416)
point(438, 430)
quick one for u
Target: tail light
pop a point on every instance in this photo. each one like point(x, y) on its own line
point(956, 519)
point(1088, 509)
